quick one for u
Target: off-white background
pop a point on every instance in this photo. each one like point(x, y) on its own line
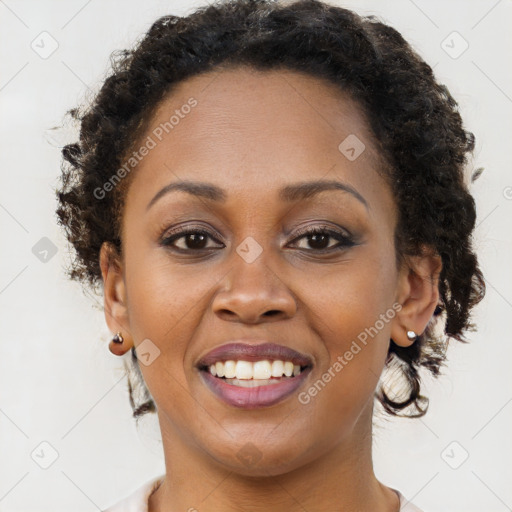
point(59, 384)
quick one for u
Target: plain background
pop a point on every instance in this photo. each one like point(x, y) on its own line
point(59, 384)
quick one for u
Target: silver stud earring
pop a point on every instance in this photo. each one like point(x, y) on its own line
point(411, 335)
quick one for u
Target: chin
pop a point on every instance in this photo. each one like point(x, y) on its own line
point(251, 460)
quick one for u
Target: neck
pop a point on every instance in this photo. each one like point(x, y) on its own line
point(341, 479)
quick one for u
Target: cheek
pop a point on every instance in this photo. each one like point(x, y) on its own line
point(161, 309)
point(353, 297)
point(166, 305)
point(341, 389)
point(160, 295)
point(160, 305)
point(352, 314)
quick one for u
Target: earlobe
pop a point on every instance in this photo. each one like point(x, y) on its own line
point(418, 296)
point(114, 297)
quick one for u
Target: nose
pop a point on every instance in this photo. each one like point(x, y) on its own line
point(253, 293)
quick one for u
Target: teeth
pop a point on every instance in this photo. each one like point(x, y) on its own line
point(220, 369)
point(259, 370)
point(251, 383)
point(229, 369)
point(277, 368)
point(262, 370)
point(244, 370)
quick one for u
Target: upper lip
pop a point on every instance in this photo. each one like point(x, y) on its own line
point(255, 351)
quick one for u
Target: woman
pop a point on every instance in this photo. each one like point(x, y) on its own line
point(273, 199)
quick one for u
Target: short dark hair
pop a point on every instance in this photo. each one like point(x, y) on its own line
point(413, 117)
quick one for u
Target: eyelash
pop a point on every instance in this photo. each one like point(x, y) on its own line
point(344, 241)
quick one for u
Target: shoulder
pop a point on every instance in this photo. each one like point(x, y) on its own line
point(137, 501)
point(406, 505)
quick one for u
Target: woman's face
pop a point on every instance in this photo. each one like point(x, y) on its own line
point(253, 276)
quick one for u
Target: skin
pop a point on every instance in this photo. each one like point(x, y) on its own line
point(252, 133)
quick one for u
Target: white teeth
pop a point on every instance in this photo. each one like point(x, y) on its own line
point(259, 370)
point(277, 368)
point(229, 369)
point(251, 383)
point(219, 366)
point(243, 370)
point(262, 370)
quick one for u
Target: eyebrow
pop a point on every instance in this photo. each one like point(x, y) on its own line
point(290, 193)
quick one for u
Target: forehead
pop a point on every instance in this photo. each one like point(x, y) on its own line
point(250, 131)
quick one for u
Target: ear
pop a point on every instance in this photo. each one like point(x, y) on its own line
point(418, 294)
point(114, 297)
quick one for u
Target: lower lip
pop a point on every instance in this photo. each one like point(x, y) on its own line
point(257, 397)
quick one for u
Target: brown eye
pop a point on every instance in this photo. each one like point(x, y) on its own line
point(319, 239)
point(190, 239)
point(195, 240)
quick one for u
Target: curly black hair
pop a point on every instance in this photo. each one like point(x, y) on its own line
point(414, 119)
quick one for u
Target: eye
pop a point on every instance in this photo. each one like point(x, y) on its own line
point(319, 239)
point(190, 239)
point(195, 240)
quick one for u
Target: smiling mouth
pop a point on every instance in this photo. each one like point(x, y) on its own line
point(253, 392)
point(253, 375)
point(247, 374)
